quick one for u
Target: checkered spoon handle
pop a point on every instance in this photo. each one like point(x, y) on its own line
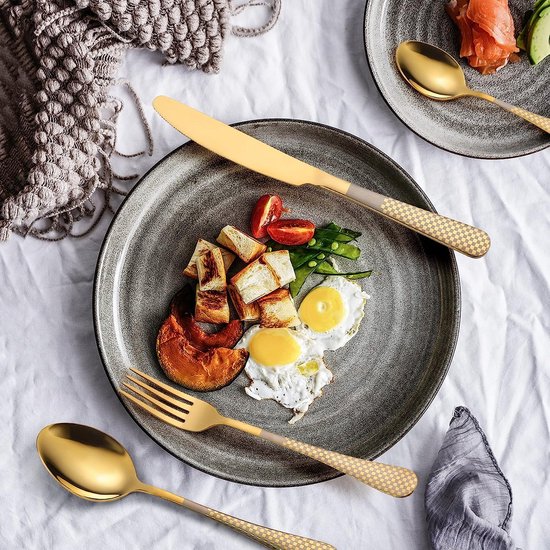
point(392, 480)
point(459, 236)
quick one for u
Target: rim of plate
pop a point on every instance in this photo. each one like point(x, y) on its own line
point(447, 360)
point(378, 82)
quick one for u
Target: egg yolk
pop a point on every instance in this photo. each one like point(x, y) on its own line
point(322, 309)
point(272, 347)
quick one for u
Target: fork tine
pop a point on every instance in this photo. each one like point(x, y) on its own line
point(162, 406)
point(166, 387)
point(158, 393)
point(154, 412)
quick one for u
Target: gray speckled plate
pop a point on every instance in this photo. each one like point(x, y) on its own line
point(466, 126)
point(385, 377)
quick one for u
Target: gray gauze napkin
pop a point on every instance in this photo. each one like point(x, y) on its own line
point(468, 499)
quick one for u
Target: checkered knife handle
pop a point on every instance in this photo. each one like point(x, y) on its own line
point(459, 236)
point(392, 480)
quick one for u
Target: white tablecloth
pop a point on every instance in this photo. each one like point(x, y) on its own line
point(311, 66)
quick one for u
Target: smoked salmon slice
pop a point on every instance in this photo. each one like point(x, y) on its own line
point(487, 32)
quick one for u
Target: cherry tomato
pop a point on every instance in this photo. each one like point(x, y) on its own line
point(268, 209)
point(291, 232)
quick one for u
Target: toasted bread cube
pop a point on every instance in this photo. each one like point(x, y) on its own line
point(246, 248)
point(211, 306)
point(202, 247)
point(277, 310)
point(254, 281)
point(211, 270)
point(279, 262)
point(246, 312)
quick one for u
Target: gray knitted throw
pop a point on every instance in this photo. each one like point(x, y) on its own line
point(58, 60)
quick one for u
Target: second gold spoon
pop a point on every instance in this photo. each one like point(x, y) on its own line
point(94, 466)
point(435, 74)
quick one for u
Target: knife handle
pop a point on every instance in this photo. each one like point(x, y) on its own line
point(459, 236)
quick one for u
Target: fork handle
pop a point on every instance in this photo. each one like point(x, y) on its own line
point(395, 481)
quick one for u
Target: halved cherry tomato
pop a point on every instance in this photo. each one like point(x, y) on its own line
point(291, 232)
point(268, 209)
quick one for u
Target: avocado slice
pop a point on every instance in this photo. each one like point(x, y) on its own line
point(539, 37)
point(522, 39)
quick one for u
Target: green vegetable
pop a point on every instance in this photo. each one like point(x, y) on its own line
point(302, 273)
point(349, 232)
point(357, 275)
point(325, 268)
point(329, 240)
point(301, 256)
point(333, 235)
point(345, 250)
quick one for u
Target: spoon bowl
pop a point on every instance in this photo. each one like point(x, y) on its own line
point(87, 462)
point(437, 75)
point(430, 70)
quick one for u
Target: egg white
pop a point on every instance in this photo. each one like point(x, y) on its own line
point(354, 299)
point(285, 383)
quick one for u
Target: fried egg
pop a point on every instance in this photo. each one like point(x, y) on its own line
point(332, 312)
point(284, 365)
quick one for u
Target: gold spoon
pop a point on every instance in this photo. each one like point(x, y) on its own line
point(435, 74)
point(94, 466)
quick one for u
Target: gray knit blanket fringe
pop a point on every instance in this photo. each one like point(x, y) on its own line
point(58, 61)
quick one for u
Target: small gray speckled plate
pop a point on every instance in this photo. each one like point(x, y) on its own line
point(384, 378)
point(466, 126)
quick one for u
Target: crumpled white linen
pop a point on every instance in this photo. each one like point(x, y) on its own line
point(311, 66)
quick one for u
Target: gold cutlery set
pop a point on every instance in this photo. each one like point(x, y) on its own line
point(94, 466)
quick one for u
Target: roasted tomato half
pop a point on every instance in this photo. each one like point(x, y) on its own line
point(267, 210)
point(291, 232)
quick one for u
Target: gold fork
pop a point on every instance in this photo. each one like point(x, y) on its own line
point(194, 415)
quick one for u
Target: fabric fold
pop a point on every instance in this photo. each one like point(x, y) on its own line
point(468, 498)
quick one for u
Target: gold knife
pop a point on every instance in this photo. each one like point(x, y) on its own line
point(247, 151)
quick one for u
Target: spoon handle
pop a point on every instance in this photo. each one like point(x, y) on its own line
point(541, 122)
point(278, 540)
point(271, 538)
point(459, 236)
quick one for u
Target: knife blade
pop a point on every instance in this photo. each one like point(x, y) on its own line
point(239, 147)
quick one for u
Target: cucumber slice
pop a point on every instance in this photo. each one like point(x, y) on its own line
point(539, 37)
